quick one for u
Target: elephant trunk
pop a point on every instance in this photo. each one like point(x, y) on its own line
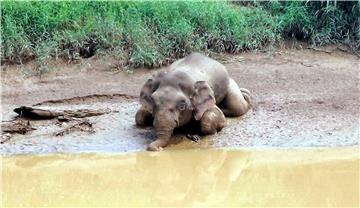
point(163, 136)
point(164, 129)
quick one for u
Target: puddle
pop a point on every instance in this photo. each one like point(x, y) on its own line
point(212, 177)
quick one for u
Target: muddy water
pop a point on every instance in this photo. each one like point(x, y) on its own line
point(316, 178)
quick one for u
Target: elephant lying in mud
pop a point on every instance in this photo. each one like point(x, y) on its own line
point(192, 87)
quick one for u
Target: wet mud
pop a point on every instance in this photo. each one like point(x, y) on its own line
point(302, 98)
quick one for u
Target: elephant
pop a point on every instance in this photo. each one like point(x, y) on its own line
point(194, 87)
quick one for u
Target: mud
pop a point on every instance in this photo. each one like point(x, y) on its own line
point(302, 98)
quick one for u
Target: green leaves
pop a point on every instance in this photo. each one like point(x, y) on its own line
point(154, 33)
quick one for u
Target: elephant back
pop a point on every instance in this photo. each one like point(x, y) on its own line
point(202, 68)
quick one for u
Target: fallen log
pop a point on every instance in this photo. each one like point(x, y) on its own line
point(21, 126)
point(36, 113)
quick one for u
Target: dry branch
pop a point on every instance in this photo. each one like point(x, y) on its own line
point(17, 126)
point(82, 125)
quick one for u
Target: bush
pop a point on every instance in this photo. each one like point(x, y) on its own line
point(319, 22)
point(148, 33)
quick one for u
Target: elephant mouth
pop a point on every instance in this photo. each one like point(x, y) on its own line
point(177, 123)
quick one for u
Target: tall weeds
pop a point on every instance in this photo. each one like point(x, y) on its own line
point(150, 34)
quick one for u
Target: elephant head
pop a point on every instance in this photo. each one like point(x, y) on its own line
point(173, 100)
point(167, 98)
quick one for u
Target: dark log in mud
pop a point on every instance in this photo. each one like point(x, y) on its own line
point(35, 113)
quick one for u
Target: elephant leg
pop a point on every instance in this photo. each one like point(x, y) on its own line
point(212, 121)
point(143, 117)
point(237, 101)
point(158, 144)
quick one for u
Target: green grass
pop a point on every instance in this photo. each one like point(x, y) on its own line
point(318, 22)
point(151, 34)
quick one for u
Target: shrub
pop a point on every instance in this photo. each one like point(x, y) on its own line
point(151, 34)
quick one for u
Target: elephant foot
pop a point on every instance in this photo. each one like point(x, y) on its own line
point(237, 101)
point(153, 147)
point(194, 138)
point(247, 95)
point(157, 145)
point(245, 91)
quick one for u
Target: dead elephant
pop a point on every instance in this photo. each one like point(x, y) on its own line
point(192, 87)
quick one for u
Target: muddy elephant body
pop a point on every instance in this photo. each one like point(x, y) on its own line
point(198, 67)
point(193, 87)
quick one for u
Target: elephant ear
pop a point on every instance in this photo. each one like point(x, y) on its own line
point(146, 99)
point(147, 90)
point(203, 99)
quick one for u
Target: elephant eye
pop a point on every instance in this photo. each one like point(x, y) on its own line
point(182, 106)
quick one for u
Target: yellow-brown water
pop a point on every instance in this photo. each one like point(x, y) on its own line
point(212, 177)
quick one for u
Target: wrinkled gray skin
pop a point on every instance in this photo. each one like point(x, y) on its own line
point(191, 87)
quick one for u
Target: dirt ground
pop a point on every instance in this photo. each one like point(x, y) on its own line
point(302, 98)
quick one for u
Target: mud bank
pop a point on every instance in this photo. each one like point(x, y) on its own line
point(302, 98)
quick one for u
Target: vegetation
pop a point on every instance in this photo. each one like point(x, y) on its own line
point(319, 22)
point(151, 34)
